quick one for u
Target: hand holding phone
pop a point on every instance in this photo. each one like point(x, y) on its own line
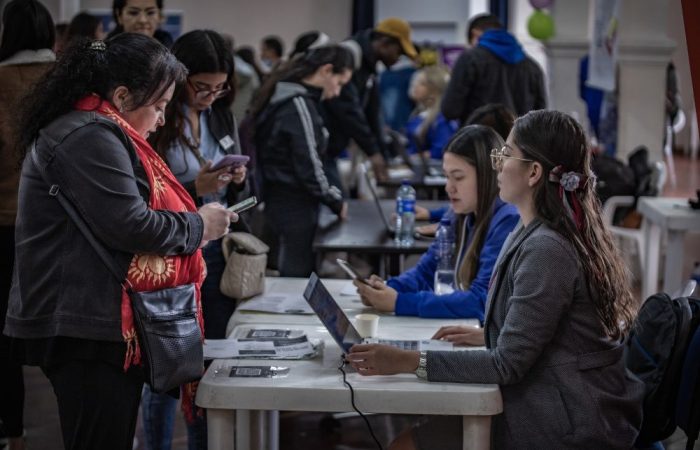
point(351, 271)
point(230, 161)
point(244, 205)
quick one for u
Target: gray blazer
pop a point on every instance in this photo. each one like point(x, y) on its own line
point(563, 382)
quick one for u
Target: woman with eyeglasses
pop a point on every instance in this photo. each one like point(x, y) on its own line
point(479, 220)
point(291, 140)
point(199, 131)
point(559, 307)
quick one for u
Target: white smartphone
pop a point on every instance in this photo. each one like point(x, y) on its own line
point(244, 205)
point(351, 271)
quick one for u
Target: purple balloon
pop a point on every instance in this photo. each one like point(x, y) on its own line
point(539, 4)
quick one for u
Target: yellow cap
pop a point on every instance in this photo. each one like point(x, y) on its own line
point(399, 29)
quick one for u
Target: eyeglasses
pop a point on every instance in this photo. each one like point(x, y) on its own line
point(499, 155)
point(202, 94)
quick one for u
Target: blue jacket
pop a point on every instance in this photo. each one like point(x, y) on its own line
point(437, 137)
point(415, 287)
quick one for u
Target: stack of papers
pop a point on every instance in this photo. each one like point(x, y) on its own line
point(271, 344)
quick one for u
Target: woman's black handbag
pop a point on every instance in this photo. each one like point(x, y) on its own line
point(166, 320)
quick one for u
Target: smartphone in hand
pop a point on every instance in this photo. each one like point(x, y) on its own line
point(244, 205)
point(231, 161)
point(351, 271)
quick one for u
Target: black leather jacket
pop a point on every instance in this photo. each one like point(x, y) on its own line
point(291, 140)
point(60, 286)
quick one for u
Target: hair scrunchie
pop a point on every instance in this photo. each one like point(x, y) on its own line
point(569, 183)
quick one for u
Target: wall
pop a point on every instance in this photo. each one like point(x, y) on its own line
point(248, 21)
point(676, 31)
point(443, 21)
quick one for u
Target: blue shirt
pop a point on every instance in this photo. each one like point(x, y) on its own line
point(184, 163)
point(415, 287)
point(436, 138)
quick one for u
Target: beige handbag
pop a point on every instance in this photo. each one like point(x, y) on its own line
point(246, 260)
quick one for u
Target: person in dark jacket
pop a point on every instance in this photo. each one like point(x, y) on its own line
point(200, 130)
point(356, 113)
point(85, 132)
point(25, 56)
point(558, 309)
point(494, 70)
point(481, 224)
point(291, 141)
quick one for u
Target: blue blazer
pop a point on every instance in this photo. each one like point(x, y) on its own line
point(415, 287)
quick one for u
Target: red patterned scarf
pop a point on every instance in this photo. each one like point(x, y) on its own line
point(149, 272)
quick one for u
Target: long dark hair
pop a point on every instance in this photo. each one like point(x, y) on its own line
point(555, 139)
point(494, 115)
point(26, 25)
point(474, 143)
point(201, 51)
point(145, 67)
point(300, 67)
point(83, 24)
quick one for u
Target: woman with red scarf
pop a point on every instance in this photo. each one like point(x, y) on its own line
point(88, 121)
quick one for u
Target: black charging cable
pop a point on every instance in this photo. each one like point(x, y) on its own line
point(352, 401)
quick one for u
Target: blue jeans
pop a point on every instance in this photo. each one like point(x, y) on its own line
point(158, 411)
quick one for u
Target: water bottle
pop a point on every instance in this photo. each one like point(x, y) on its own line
point(405, 215)
point(445, 272)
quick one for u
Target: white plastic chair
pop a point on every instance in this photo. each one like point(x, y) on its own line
point(625, 201)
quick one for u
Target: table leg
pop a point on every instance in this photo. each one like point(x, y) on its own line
point(273, 434)
point(650, 277)
point(220, 429)
point(673, 276)
point(258, 430)
point(476, 432)
point(243, 427)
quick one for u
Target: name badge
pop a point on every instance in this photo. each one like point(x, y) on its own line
point(226, 142)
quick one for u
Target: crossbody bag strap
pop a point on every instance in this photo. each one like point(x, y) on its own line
point(55, 191)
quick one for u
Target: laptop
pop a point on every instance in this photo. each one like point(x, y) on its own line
point(344, 332)
point(390, 230)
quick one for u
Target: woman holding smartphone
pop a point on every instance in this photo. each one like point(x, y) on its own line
point(200, 135)
point(479, 220)
point(559, 307)
point(290, 141)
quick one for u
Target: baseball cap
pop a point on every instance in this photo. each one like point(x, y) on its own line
point(399, 29)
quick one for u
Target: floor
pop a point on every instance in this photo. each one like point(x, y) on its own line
point(310, 431)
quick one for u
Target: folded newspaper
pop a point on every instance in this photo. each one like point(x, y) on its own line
point(264, 343)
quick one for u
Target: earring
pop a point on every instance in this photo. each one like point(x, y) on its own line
point(121, 109)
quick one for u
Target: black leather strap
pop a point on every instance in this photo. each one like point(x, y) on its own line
point(55, 191)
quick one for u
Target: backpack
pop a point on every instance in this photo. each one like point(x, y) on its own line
point(655, 351)
point(613, 177)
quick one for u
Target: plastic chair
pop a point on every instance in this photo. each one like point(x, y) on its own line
point(627, 201)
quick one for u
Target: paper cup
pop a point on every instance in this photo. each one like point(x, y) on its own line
point(367, 325)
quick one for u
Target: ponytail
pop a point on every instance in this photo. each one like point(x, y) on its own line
point(301, 66)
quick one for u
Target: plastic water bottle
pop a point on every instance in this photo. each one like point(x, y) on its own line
point(405, 214)
point(445, 272)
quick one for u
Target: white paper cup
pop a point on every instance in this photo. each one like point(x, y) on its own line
point(367, 325)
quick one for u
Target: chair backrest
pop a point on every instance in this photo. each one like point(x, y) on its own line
point(655, 352)
point(658, 176)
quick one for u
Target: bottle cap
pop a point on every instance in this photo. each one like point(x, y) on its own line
point(444, 220)
point(405, 182)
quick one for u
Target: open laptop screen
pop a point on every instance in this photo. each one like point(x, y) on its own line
point(331, 314)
